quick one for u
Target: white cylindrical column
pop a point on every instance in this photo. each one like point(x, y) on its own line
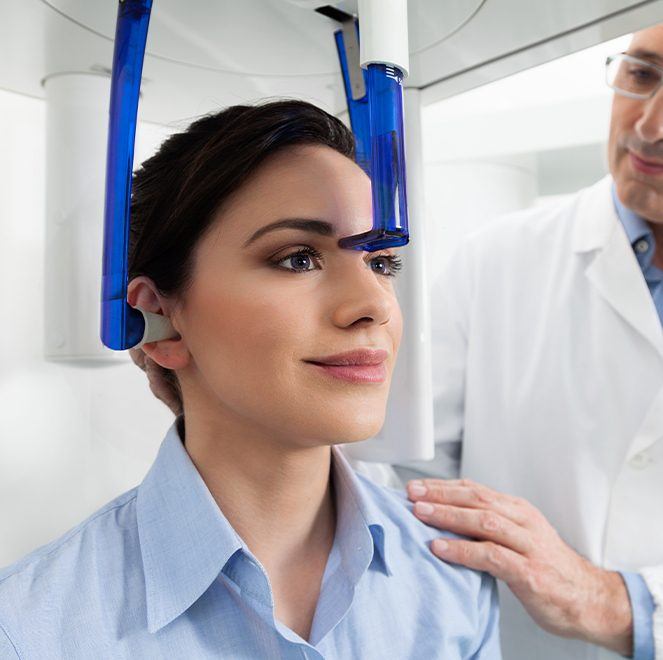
point(407, 434)
point(384, 33)
point(76, 134)
point(461, 196)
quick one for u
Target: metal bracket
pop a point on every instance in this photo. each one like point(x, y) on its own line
point(351, 46)
point(355, 72)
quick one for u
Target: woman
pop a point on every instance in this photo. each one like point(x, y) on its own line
point(250, 537)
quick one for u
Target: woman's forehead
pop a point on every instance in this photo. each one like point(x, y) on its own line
point(318, 172)
point(315, 183)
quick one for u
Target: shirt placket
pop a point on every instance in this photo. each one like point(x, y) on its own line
point(250, 576)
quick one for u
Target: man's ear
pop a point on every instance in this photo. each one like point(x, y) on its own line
point(169, 353)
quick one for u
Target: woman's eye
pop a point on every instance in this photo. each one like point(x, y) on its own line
point(387, 264)
point(300, 260)
point(392, 263)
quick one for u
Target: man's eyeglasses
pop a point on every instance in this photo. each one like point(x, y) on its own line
point(633, 77)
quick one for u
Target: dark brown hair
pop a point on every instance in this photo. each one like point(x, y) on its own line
point(177, 192)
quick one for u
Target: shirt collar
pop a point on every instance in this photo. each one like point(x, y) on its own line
point(185, 540)
point(357, 509)
point(635, 226)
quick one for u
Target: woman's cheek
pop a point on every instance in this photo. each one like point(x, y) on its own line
point(265, 331)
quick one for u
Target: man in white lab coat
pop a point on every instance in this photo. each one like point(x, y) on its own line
point(548, 358)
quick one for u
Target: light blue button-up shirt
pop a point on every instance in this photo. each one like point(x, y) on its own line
point(641, 237)
point(159, 572)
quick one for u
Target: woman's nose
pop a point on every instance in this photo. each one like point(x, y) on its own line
point(363, 298)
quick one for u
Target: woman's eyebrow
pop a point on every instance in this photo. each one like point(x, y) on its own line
point(316, 226)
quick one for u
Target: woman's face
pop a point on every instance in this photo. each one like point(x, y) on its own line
point(259, 309)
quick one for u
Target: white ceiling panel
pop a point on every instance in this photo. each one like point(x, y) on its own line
point(203, 54)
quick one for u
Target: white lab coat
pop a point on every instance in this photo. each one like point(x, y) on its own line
point(548, 362)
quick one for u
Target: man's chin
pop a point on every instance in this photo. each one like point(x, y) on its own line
point(641, 194)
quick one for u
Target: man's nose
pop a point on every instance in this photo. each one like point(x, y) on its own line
point(649, 126)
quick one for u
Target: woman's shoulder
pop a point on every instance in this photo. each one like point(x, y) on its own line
point(73, 585)
point(395, 506)
point(51, 574)
point(444, 607)
point(411, 538)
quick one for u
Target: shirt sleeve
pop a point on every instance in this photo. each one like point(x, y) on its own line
point(642, 605)
point(7, 649)
point(489, 643)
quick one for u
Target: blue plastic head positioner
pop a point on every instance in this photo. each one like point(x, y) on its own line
point(377, 121)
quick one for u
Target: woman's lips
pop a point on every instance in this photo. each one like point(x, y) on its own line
point(365, 373)
point(644, 166)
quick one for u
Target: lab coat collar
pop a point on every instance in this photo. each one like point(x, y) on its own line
point(185, 540)
point(613, 268)
point(595, 219)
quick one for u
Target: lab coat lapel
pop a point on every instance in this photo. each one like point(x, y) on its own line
point(614, 269)
point(651, 430)
point(615, 272)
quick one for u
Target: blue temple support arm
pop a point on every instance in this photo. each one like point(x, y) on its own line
point(122, 326)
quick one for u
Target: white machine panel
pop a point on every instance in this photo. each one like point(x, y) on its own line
point(204, 54)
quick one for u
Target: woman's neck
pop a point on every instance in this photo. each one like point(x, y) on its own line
point(277, 497)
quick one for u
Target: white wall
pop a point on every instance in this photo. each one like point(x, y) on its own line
point(513, 142)
point(71, 438)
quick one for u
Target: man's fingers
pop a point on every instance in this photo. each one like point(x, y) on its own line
point(476, 523)
point(138, 357)
point(160, 387)
point(500, 562)
point(465, 493)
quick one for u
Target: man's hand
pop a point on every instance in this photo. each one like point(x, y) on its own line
point(562, 591)
point(158, 385)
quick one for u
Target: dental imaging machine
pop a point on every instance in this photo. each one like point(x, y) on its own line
point(376, 63)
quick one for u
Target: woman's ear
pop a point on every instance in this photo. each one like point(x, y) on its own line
point(169, 353)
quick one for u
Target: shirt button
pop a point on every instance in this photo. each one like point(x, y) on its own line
point(642, 246)
point(640, 461)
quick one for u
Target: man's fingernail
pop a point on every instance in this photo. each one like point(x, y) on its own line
point(440, 545)
point(425, 508)
point(417, 488)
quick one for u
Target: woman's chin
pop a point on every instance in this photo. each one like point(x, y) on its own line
point(356, 431)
